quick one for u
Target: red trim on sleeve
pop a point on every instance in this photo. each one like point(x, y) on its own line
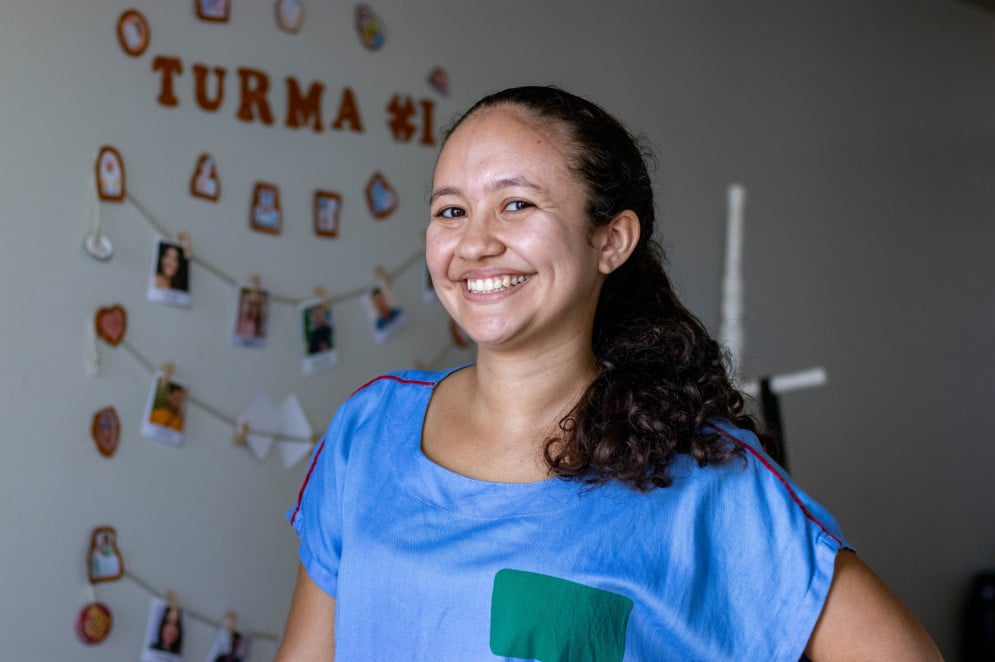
point(787, 486)
point(321, 445)
point(418, 382)
point(300, 495)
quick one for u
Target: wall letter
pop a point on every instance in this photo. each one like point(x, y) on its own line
point(200, 86)
point(255, 85)
point(168, 65)
point(348, 112)
point(427, 138)
point(300, 109)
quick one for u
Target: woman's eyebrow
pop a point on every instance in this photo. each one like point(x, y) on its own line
point(503, 183)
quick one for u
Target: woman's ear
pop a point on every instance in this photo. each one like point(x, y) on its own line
point(617, 241)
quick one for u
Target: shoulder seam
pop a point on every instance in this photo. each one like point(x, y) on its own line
point(794, 496)
point(395, 378)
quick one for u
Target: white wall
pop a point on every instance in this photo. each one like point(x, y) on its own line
point(863, 132)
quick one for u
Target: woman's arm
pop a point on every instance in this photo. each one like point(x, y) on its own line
point(864, 620)
point(310, 632)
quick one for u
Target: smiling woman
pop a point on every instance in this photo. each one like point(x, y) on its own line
point(590, 488)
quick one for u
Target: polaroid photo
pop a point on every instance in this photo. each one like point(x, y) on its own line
point(230, 645)
point(386, 318)
point(318, 336)
point(169, 280)
point(251, 316)
point(164, 410)
point(163, 633)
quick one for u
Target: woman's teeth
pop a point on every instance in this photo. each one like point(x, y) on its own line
point(495, 284)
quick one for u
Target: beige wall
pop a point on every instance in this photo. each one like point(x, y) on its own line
point(862, 132)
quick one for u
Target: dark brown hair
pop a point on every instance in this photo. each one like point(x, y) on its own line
point(661, 377)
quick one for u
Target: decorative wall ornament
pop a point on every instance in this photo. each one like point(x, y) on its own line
point(204, 182)
point(104, 562)
point(289, 15)
point(110, 174)
point(133, 32)
point(105, 429)
point(438, 80)
point(93, 624)
point(265, 215)
point(111, 323)
point(370, 28)
point(327, 209)
point(381, 198)
point(215, 11)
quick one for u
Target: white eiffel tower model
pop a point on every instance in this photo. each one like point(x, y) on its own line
point(731, 330)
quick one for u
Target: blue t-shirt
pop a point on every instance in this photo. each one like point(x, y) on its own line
point(730, 562)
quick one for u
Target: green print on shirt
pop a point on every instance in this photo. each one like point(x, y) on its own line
point(538, 617)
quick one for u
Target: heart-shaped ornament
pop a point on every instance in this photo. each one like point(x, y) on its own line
point(111, 324)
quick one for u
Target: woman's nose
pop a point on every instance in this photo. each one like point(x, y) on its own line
point(479, 240)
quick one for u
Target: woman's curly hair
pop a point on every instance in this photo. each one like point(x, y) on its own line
point(661, 377)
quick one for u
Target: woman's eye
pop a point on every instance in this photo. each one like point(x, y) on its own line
point(517, 205)
point(449, 212)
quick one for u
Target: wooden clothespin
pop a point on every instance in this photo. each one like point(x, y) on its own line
point(167, 373)
point(241, 434)
point(184, 239)
point(256, 283)
point(231, 621)
point(321, 295)
point(172, 600)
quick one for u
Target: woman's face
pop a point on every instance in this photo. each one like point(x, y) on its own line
point(170, 262)
point(509, 245)
point(170, 628)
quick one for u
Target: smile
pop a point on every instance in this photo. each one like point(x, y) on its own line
point(494, 284)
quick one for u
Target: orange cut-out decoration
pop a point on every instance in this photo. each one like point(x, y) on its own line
point(133, 32)
point(109, 169)
point(106, 431)
point(111, 324)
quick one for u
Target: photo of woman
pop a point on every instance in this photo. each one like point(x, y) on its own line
point(250, 317)
point(170, 279)
point(163, 633)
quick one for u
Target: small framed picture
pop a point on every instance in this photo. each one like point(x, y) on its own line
point(163, 633)
point(327, 206)
point(381, 198)
point(289, 15)
point(230, 645)
point(265, 215)
point(205, 183)
point(133, 32)
point(110, 174)
point(106, 563)
point(164, 410)
point(386, 318)
point(318, 335)
point(105, 428)
point(169, 281)
point(216, 11)
point(251, 316)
